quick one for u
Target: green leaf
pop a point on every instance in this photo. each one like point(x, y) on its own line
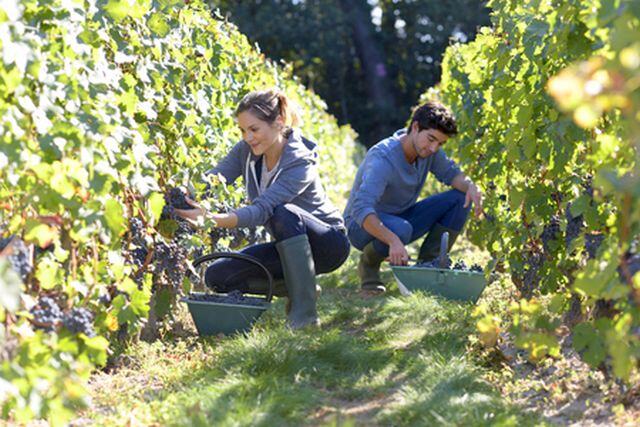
point(579, 205)
point(117, 9)
point(164, 299)
point(96, 349)
point(586, 339)
point(114, 216)
point(40, 233)
point(49, 274)
point(156, 204)
point(158, 24)
point(140, 302)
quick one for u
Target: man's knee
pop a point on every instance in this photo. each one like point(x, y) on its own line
point(457, 196)
point(403, 231)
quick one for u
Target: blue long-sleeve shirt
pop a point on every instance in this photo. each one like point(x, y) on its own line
point(387, 183)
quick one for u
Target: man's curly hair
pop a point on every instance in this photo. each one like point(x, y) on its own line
point(434, 115)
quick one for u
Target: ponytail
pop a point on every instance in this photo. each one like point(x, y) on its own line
point(267, 105)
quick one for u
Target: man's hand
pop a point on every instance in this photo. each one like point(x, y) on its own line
point(195, 215)
point(397, 253)
point(474, 195)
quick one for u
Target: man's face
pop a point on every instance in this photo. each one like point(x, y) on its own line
point(427, 142)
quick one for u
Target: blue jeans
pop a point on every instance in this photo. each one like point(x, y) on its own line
point(443, 208)
point(329, 246)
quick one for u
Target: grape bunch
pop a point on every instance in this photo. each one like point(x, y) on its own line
point(234, 297)
point(459, 265)
point(137, 251)
point(435, 263)
point(175, 198)
point(477, 268)
point(574, 226)
point(527, 278)
point(46, 314)
point(550, 233)
point(20, 256)
point(79, 320)
point(4, 242)
point(170, 263)
point(592, 242)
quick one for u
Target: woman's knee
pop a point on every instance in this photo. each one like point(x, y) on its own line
point(285, 222)
point(216, 274)
point(339, 255)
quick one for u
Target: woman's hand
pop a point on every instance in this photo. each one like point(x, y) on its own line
point(195, 215)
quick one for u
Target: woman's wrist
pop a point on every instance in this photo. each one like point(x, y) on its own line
point(224, 220)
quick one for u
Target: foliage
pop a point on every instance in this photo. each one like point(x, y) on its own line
point(104, 107)
point(317, 39)
point(563, 200)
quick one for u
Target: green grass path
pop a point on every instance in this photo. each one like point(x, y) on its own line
point(386, 360)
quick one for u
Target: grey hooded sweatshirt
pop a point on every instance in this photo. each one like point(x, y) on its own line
point(385, 182)
point(296, 181)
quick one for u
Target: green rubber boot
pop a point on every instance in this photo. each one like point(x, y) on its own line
point(300, 279)
point(430, 248)
point(369, 269)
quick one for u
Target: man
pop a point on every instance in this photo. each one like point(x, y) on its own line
point(382, 215)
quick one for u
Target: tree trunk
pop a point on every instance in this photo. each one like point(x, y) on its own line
point(373, 64)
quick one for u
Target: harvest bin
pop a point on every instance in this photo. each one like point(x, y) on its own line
point(452, 284)
point(212, 318)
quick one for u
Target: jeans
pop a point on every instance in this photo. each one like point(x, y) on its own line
point(329, 247)
point(443, 208)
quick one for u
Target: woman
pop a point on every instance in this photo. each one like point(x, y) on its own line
point(280, 173)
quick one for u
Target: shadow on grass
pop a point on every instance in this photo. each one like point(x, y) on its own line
point(403, 359)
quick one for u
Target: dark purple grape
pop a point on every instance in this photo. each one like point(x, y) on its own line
point(434, 264)
point(139, 256)
point(79, 320)
point(46, 314)
point(550, 233)
point(592, 242)
point(527, 278)
point(137, 232)
point(177, 199)
point(233, 297)
point(477, 268)
point(20, 258)
point(171, 259)
point(4, 242)
point(574, 226)
point(460, 265)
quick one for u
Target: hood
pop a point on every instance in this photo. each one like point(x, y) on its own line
point(297, 148)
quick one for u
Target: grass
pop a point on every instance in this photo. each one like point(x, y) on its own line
point(384, 360)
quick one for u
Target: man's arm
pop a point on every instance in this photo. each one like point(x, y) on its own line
point(463, 183)
point(397, 253)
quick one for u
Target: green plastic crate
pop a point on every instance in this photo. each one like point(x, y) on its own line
point(451, 284)
point(213, 318)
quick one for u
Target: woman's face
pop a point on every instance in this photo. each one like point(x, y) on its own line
point(260, 135)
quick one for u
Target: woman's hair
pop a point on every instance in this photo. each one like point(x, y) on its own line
point(267, 105)
point(434, 115)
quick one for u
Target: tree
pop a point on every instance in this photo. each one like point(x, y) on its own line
point(369, 60)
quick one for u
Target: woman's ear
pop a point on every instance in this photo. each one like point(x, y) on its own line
point(279, 122)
